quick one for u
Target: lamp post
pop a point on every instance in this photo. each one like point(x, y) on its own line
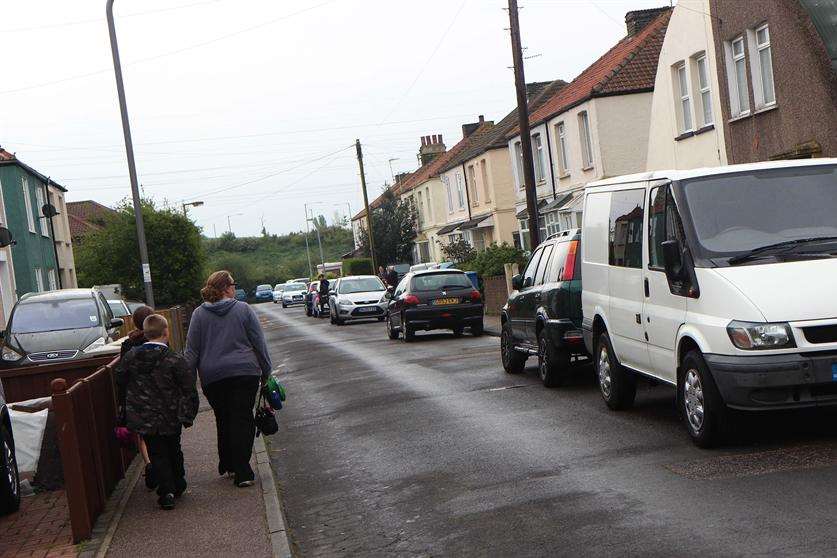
point(191, 204)
point(316, 228)
point(129, 152)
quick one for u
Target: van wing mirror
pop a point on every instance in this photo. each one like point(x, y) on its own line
point(673, 259)
point(680, 270)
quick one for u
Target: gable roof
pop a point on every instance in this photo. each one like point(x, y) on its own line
point(630, 66)
point(7, 158)
point(84, 216)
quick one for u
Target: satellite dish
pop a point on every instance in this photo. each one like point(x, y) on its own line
point(6, 238)
point(48, 210)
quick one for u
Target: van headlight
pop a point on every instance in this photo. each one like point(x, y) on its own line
point(10, 355)
point(753, 336)
point(94, 346)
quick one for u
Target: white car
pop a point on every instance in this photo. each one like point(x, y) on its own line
point(718, 282)
point(293, 293)
point(277, 292)
point(358, 297)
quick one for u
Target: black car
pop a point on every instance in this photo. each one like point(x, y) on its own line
point(434, 299)
point(9, 478)
point(543, 314)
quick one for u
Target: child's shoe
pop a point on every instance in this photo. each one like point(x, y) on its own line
point(166, 501)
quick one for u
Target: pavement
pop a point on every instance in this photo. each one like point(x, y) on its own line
point(40, 528)
point(430, 448)
point(213, 517)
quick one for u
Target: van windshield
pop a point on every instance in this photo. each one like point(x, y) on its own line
point(737, 213)
point(55, 315)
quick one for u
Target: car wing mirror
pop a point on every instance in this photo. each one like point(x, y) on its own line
point(517, 282)
point(527, 282)
point(117, 322)
point(388, 295)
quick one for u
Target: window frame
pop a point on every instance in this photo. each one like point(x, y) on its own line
point(39, 279)
point(704, 87)
point(27, 202)
point(536, 254)
point(685, 121)
point(39, 203)
point(475, 194)
point(537, 157)
point(52, 279)
point(484, 177)
point(757, 67)
point(587, 160)
point(518, 155)
point(563, 150)
point(460, 193)
point(735, 96)
point(450, 194)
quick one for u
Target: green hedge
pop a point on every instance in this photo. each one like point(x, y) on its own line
point(358, 266)
point(489, 262)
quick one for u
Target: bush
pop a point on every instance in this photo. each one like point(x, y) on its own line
point(489, 262)
point(458, 251)
point(358, 266)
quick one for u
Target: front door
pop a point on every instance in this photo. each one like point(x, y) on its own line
point(663, 312)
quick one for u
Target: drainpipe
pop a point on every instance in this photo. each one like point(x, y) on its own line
point(551, 166)
point(52, 234)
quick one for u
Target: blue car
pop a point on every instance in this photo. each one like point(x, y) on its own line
point(264, 293)
point(241, 294)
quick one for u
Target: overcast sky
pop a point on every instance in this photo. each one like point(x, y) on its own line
point(253, 106)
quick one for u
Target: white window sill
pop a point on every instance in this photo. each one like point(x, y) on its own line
point(564, 175)
point(741, 116)
point(588, 168)
point(766, 108)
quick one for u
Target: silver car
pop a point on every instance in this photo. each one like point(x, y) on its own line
point(358, 297)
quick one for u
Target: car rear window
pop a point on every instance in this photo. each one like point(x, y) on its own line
point(440, 281)
point(55, 315)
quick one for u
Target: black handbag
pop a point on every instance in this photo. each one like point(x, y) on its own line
point(265, 419)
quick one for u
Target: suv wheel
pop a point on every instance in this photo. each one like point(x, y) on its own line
point(617, 385)
point(9, 479)
point(700, 402)
point(391, 332)
point(513, 361)
point(553, 363)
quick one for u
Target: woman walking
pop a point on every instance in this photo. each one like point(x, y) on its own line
point(226, 344)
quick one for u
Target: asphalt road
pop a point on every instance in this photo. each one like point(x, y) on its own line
point(430, 448)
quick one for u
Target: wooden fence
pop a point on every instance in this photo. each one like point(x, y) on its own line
point(495, 294)
point(176, 316)
point(92, 459)
point(30, 382)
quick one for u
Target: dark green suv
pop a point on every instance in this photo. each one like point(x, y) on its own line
point(543, 314)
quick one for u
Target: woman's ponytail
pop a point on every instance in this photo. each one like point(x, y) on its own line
point(215, 286)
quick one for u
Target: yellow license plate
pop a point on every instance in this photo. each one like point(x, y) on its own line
point(441, 301)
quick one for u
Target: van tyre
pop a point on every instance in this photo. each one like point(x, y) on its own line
point(513, 361)
point(617, 385)
point(9, 478)
point(701, 405)
point(392, 333)
point(553, 363)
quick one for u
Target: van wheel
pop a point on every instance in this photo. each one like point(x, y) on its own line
point(513, 361)
point(700, 401)
point(617, 385)
point(553, 363)
point(9, 479)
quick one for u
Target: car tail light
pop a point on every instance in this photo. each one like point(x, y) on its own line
point(569, 264)
point(411, 300)
point(475, 296)
point(573, 336)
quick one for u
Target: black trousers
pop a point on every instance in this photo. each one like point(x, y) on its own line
point(232, 400)
point(167, 461)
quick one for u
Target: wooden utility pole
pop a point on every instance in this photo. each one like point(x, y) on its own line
point(525, 134)
point(366, 205)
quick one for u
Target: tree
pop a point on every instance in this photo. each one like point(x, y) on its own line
point(175, 253)
point(394, 226)
point(458, 251)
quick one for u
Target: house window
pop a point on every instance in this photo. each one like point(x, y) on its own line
point(27, 201)
point(586, 143)
point(42, 222)
point(39, 280)
point(563, 152)
point(703, 86)
point(460, 192)
point(429, 206)
point(472, 185)
point(424, 251)
point(450, 195)
point(484, 176)
point(737, 77)
point(763, 71)
point(53, 283)
point(537, 154)
point(420, 211)
point(685, 105)
point(552, 223)
point(518, 150)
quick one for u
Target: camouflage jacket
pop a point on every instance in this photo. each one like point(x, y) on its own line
point(157, 390)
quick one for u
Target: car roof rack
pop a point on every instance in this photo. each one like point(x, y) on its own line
point(559, 234)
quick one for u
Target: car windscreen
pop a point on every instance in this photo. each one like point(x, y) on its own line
point(295, 287)
point(263, 288)
point(360, 285)
point(737, 213)
point(441, 281)
point(279, 287)
point(54, 315)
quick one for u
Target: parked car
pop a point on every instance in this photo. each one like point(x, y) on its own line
point(293, 293)
point(277, 292)
point(728, 296)
point(319, 307)
point(313, 286)
point(241, 294)
point(9, 477)
point(543, 313)
point(56, 326)
point(119, 308)
point(423, 266)
point(434, 299)
point(402, 269)
point(263, 293)
point(133, 305)
point(358, 297)
point(304, 280)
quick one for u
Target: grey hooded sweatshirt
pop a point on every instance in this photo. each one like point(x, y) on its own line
point(226, 340)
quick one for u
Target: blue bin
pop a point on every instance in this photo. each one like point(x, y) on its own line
point(472, 275)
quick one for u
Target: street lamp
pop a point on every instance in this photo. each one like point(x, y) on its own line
point(191, 204)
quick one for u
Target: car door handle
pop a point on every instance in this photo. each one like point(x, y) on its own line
point(647, 288)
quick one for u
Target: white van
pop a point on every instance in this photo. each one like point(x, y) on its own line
point(721, 282)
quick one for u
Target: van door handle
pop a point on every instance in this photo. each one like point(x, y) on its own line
point(647, 288)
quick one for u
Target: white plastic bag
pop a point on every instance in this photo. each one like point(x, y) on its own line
point(28, 432)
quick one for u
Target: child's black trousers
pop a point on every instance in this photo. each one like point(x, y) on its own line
point(167, 461)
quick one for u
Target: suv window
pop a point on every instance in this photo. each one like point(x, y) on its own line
point(544, 263)
point(625, 238)
point(559, 257)
point(529, 274)
point(663, 224)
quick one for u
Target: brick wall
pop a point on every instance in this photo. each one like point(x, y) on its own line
point(495, 294)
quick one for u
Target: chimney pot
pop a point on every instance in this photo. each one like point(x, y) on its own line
point(440, 138)
point(482, 118)
point(422, 141)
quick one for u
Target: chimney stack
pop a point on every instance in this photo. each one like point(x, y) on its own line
point(431, 147)
point(637, 20)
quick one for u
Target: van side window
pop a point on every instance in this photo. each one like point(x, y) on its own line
point(529, 274)
point(545, 260)
point(663, 224)
point(625, 237)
